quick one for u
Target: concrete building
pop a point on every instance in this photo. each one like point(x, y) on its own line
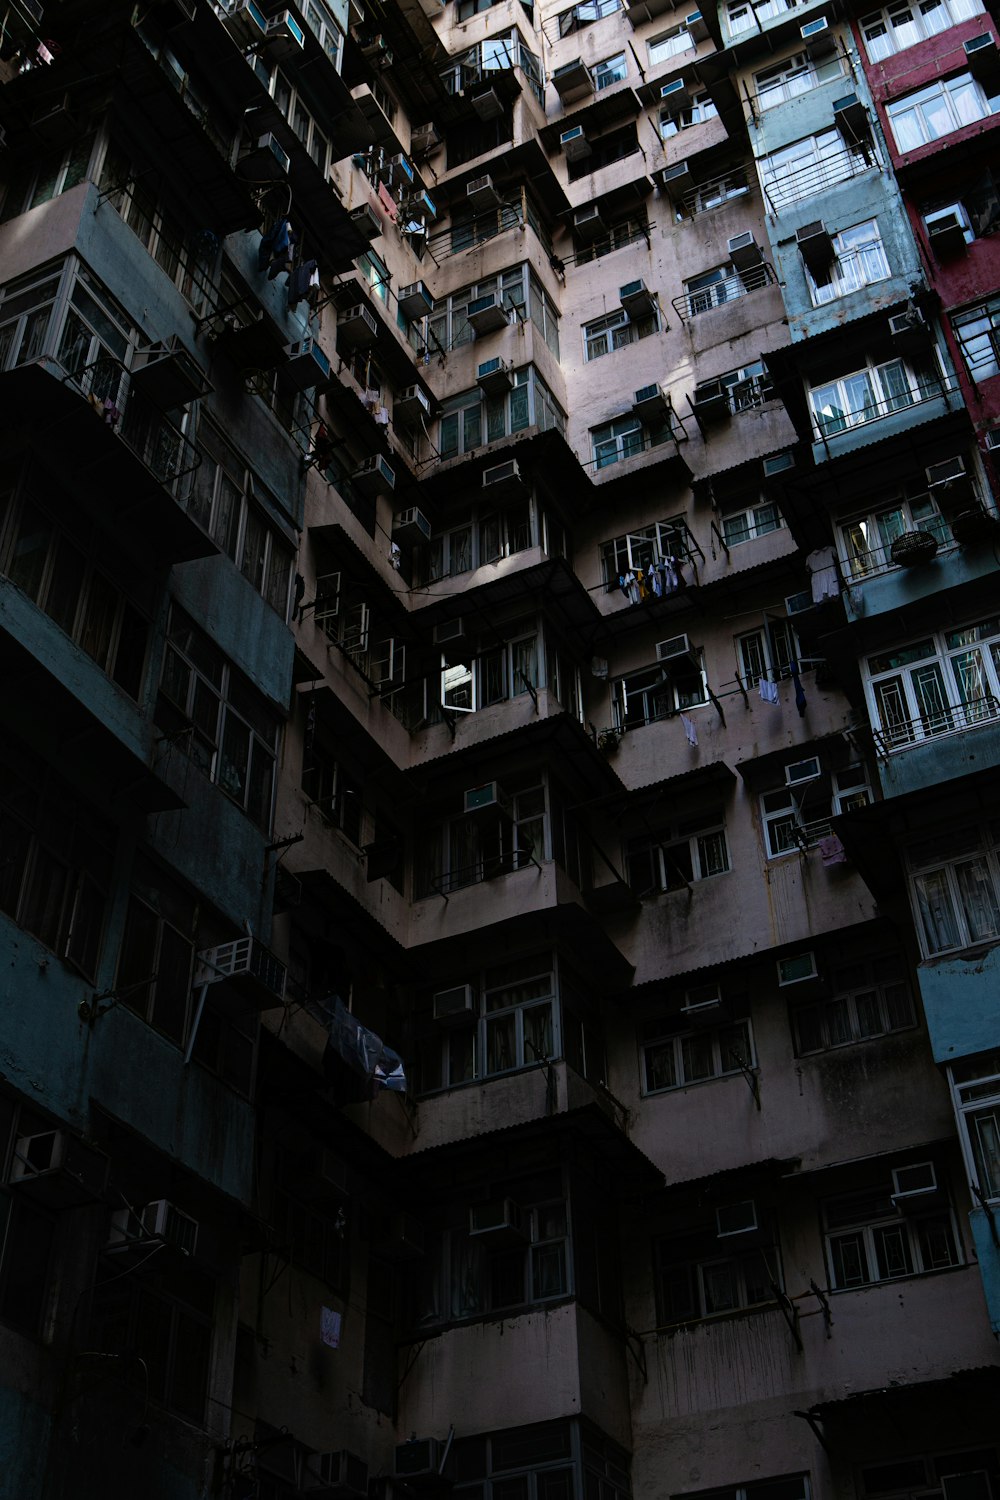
point(499, 885)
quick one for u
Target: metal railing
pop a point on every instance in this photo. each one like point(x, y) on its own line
point(794, 184)
point(902, 734)
point(483, 869)
point(160, 445)
point(864, 563)
point(716, 191)
point(469, 233)
point(833, 425)
point(719, 293)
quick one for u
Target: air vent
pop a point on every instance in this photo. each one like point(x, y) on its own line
point(704, 1002)
point(797, 969)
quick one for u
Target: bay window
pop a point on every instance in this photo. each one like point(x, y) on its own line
point(796, 75)
point(471, 419)
point(465, 850)
point(948, 681)
point(938, 110)
point(869, 1239)
point(810, 166)
point(902, 25)
point(871, 393)
point(955, 889)
point(672, 856)
point(658, 692)
point(517, 288)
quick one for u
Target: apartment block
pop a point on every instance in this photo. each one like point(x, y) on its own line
point(499, 849)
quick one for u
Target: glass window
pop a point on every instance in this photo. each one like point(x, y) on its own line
point(866, 540)
point(615, 331)
point(946, 682)
point(870, 998)
point(670, 859)
point(810, 166)
point(902, 25)
point(859, 260)
point(658, 692)
point(796, 75)
point(955, 889)
point(938, 110)
point(869, 1240)
point(978, 333)
point(611, 70)
point(673, 1060)
point(700, 1276)
point(670, 44)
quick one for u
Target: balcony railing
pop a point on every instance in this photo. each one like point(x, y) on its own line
point(719, 293)
point(484, 869)
point(792, 184)
point(832, 424)
point(467, 233)
point(716, 191)
point(903, 734)
point(868, 563)
point(168, 455)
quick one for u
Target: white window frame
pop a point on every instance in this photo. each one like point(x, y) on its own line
point(873, 1003)
point(616, 330)
point(644, 547)
point(945, 92)
point(858, 262)
point(975, 1089)
point(810, 166)
point(701, 108)
point(931, 682)
point(880, 398)
point(980, 347)
point(673, 1043)
point(883, 30)
point(661, 697)
point(609, 71)
point(669, 44)
point(869, 1225)
point(767, 651)
point(739, 526)
point(880, 528)
point(950, 878)
point(796, 75)
point(798, 818)
point(701, 843)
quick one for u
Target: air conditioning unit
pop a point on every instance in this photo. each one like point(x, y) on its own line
point(797, 969)
point(54, 123)
point(702, 1003)
point(695, 25)
point(424, 138)
point(711, 401)
point(918, 1180)
point(909, 328)
point(168, 374)
point(268, 161)
point(636, 299)
point(284, 36)
point(949, 485)
point(504, 481)
point(495, 377)
point(678, 647)
point(404, 1238)
point(448, 630)
point(307, 367)
point(797, 604)
point(735, 1218)
point(981, 52)
point(411, 405)
point(487, 314)
point(486, 103)
point(499, 1222)
point(572, 80)
point(159, 1220)
point(339, 1476)
point(357, 326)
point(412, 525)
point(676, 180)
point(851, 119)
point(375, 476)
point(415, 301)
point(246, 964)
point(651, 403)
point(480, 194)
point(778, 463)
point(946, 234)
point(675, 95)
point(396, 171)
point(367, 220)
point(454, 1004)
point(58, 1169)
point(420, 1458)
point(574, 143)
point(245, 22)
point(993, 439)
point(486, 798)
point(819, 37)
point(816, 245)
point(744, 252)
point(376, 50)
point(802, 770)
point(588, 225)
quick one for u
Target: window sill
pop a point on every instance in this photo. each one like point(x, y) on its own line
point(876, 1286)
point(696, 1083)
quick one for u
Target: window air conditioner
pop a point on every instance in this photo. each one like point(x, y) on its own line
point(744, 252)
point(284, 35)
point(397, 171)
point(799, 967)
point(486, 103)
point(815, 245)
point(481, 194)
point(704, 1002)
point(377, 50)
point(499, 1222)
point(802, 770)
point(58, 1169)
point(454, 1004)
point(588, 224)
point(412, 525)
point(367, 220)
point(159, 1220)
point(735, 1218)
point(54, 123)
point(675, 649)
point(946, 234)
point(245, 22)
point(981, 52)
point(948, 482)
point(636, 299)
point(797, 604)
point(651, 403)
point(375, 476)
point(411, 405)
point(168, 374)
point(574, 143)
point(778, 463)
point(487, 314)
point(915, 1181)
point(711, 401)
point(415, 301)
point(357, 326)
point(341, 1475)
point(851, 118)
point(494, 376)
point(307, 366)
point(247, 965)
point(572, 80)
point(819, 37)
point(675, 95)
point(424, 138)
point(268, 160)
point(504, 480)
point(908, 327)
point(448, 630)
point(486, 798)
point(695, 26)
point(676, 179)
point(419, 1458)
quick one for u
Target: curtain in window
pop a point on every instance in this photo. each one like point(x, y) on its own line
point(936, 912)
point(975, 886)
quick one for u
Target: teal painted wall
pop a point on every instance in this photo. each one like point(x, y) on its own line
point(959, 997)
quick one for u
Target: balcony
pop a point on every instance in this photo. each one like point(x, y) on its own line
point(815, 176)
point(902, 734)
point(940, 745)
point(117, 444)
point(841, 428)
point(720, 293)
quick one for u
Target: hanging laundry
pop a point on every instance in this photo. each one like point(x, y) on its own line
point(824, 580)
point(624, 579)
point(690, 732)
point(388, 202)
point(800, 696)
point(274, 244)
point(395, 556)
point(671, 574)
point(656, 581)
point(640, 579)
point(312, 290)
point(769, 692)
point(832, 851)
point(300, 281)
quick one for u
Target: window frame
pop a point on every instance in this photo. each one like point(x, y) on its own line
point(984, 365)
point(930, 858)
point(679, 853)
point(658, 1038)
point(854, 266)
point(838, 1019)
point(951, 11)
point(941, 93)
point(954, 709)
point(662, 679)
point(616, 330)
point(868, 1227)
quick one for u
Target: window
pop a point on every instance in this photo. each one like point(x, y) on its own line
point(811, 166)
point(641, 549)
point(211, 712)
point(614, 145)
point(977, 208)
point(746, 525)
point(955, 889)
point(794, 1488)
point(718, 191)
point(450, 552)
point(701, 108)
point(908, 1478)
point(673, 1059)
point(796, 75)
point(625, 438)
point(538, 1463)
point(859, 260)
point(902, 25)
point(25, 312)
point(870, 998)
point(628, 232)
point(27, 1232)
point(484, 536)
point(333, 790)
point(471, 419)
point(700, 1276)
point(290, 103)
point(747, 387)
point(615, 331)
point(585, 14)
point(768, 652)
point(221, 503)
point(866, 541)
point(978, 334)
point(162, 1316)
point(745, 15)
point(976, 1089)
point(188, 259)
point(869, 1240)
point(869, 394)
point(310, 1232)
point(713, 288)
point(497, 52)
point(692, 848)
point(670, 44)
point(658, 692)
point(60, 569)
point(798, 817)
point(938, 110)
point(612, 70)
point(35, 182)
point(55, 875)
point(465, 850)
point(947, 681)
